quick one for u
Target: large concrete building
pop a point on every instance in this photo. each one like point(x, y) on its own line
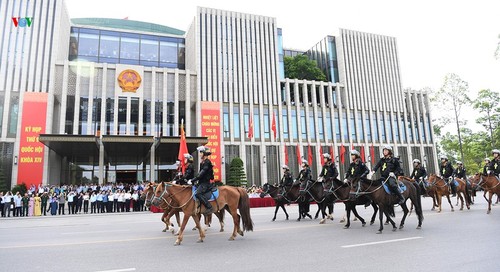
point(96, 99)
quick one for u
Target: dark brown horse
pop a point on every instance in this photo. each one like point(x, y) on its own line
point(490, 184)
point(429, 191)
point(443, 189)
point(375, 191)
point(230, 198)
point(279, 197)
point(334, 192)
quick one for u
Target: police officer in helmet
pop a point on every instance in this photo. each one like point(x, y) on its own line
point(202, 180)
point(494, 167)
point(286, 179)
point(329, 171)
point(419, 173)
point(486, 167)
point(357, 168)
point(390, 168)
point(189, 173)
point(446, 171)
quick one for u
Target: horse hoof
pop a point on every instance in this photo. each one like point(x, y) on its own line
point(371, 223)
point(452, 210)
point(346, 226)
point(386, 223)
point(286, 218)
point(322, 221)
point(177, 243)
point(221, 230)
point(164, 230)
point(199, 241)
point(177, 234)
point(394, 229)
point(342, 220)
point(401, 227)
point(461, 209)
point(379, 232)
point(468, 208)
point(355, 219)
point(315, 218)
point(273, 219)
point(488, 212)
point(231, 239)
point(363, 224)
point(241, 233)
point(194, 228)
point(419, 227)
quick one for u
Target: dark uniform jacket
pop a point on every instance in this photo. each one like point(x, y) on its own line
point(486, 167)
point(357, 169)
point(495, 166)
point(206, 172)
point(287, 179)
point(388, 165)
point(304, 175)
point(460, 173)
point(446, 170)
point(189, 173)
point(329, 171)
point(418, 173)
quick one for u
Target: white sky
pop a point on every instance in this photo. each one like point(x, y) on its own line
point(434, 37)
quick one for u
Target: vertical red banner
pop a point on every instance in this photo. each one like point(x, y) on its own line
point(34, 117)
point(210, 128)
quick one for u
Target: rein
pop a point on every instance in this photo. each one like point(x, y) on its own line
point(358, 192)
point(171, 196)
point(481, 183)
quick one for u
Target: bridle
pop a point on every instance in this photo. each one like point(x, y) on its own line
point(171, 196)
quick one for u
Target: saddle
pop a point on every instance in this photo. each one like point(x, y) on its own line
point(401, 186)
point(210, 195)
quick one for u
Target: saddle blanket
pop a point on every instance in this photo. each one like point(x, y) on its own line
point(210, 195)
point(455, 183)
point(401, 187)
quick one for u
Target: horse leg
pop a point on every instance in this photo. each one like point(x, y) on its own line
point(236, 222)
point(348, 216)
point(381, 218)
point(284, 210)
point(490, 196)
point(375, 210)
point(181, 230)
point(330, 211)
point(196, 219)
point(438, 199)
point(405, 213)
point(275, 212)
point(321, 209)
point(221, 221)
point(449, 201)
point(363, 222)
point(459, 194)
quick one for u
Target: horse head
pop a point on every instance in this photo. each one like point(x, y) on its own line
point(160, 193)
point(149, 194)
point(265, 190)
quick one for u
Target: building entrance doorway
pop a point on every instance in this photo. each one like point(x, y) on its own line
point(129, 177)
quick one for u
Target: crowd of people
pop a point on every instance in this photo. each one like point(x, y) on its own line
point(72, 199)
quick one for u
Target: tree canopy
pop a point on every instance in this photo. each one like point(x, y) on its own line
point(301, 67)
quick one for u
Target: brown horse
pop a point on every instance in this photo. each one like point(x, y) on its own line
point(443, 189)
point(230, 198)
point(374, 190)
point(429, 190)
point(490, 184)
point(169, 212)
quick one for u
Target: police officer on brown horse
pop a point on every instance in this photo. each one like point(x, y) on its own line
point(329, 171)
point(390, 168)
point(494, 167)
point(446, 171)
point(203, 179)
point(419, 174)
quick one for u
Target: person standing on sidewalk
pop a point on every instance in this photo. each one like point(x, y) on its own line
point(62, 201)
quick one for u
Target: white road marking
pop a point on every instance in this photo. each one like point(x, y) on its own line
point(87, 232)
point(118, 270)
point(382, 242)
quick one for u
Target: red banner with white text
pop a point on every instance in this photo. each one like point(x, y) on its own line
point(30, 161)
point(210, 128)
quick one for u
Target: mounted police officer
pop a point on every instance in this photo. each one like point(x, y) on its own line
point(286, 179)
point(178, 172)
point(390, 168)
point(357, 168)
point(494, 167)
point(486, 166)
point(329, 171)
point(189, 172)
point(419, 174)
point(202, 180)
point(446, 171)
point(304, 176)
point(460, 171)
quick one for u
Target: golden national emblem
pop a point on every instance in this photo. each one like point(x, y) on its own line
point(129, 80)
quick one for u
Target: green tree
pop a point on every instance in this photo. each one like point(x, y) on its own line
point(451, 97)
point(236, 175)
point(488, 104)
point(21, 188)
point(301, 67)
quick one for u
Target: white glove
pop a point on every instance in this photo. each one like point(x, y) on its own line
point(391, 174)
point(370, 175)
point(320, 179)
point(488, 172)
point(189, 182)
point(174, 182)
point(346, 180)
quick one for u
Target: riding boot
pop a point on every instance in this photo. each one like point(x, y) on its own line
point(208, 206)
point(453, 190)
point(396, 191)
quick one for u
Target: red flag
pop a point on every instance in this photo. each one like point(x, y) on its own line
point(372, 153)
point(182, 148)
point(273, 126)
point(332, 153)
point(286, 155)
point(342, 153)
point(299, 161)
point(362, 152)
point(310, 156)
point(250, 127)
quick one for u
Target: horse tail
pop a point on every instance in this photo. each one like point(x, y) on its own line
point(244, 207)
point(418, 205)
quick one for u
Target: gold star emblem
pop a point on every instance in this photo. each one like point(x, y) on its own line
point(384, 166)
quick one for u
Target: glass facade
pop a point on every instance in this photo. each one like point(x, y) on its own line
point(128, 48)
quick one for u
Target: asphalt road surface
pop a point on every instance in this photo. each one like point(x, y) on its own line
point(449, 241)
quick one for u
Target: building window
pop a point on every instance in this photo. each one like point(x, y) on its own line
point(403, 130)
point(395, 124)
point(329, 135)
point(225, 117)
point(285, 124)
point(422, 129)
point(303, 124)
point(267, 135)
point(312, 129)
point(110, 108)
point(13, 115)
point(368, 127)
point(129, 49)
point(122, 116)
point(149, 48)
point(134, 115)
point(70, 113)
point(109, 47)
point(410, 131)
point(345, 132)
point(159, 118)
point(83, 117)
point(337, 125)
point(375, 127)
point(256, 123)
point(388, 127)
point(321, 131)
point(88, 43)
point(246, 119)
point(236, 122)
point(170, 118)
point(146, 117)
point(359, 122)
point(295, 134)
point(381, 126)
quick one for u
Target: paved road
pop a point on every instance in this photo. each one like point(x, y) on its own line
point(458, 241)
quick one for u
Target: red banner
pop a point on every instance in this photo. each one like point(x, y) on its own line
point(30, 162)
point(210, 128)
